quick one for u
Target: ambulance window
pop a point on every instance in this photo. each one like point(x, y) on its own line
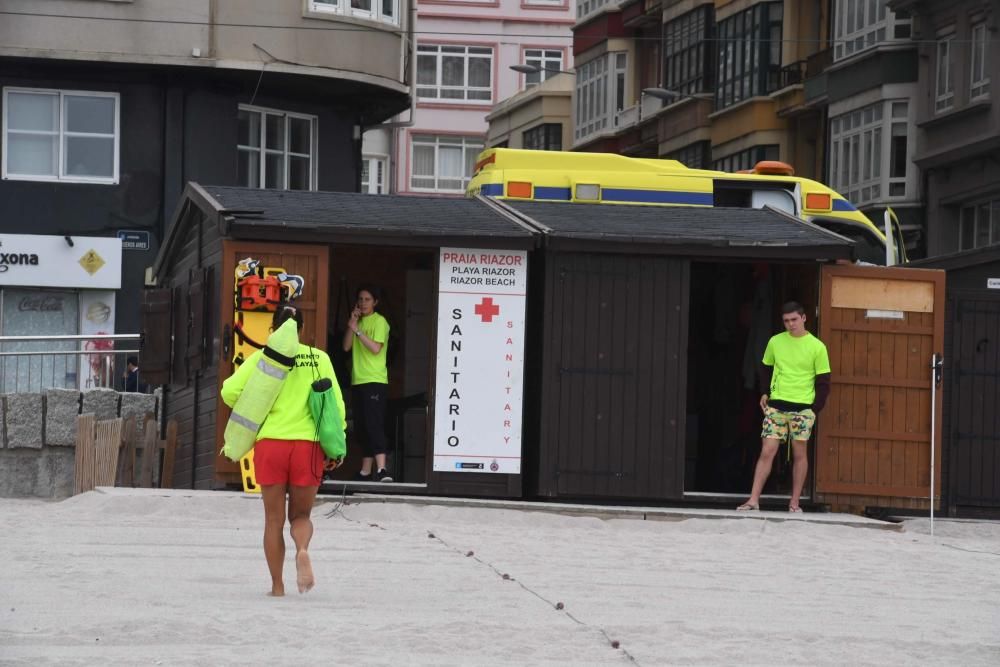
point(744, 194)
point(868, 247)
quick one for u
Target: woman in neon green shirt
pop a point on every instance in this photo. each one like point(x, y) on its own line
point(287, 457)
point(367, 339)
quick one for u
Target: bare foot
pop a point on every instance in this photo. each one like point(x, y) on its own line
point(277, 591)
point(303, 567)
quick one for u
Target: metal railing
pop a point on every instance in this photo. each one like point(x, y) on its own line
point(37, 363)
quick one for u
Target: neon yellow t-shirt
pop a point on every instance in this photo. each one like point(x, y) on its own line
point(289, 418)
point(796, 362)
point(365, 366)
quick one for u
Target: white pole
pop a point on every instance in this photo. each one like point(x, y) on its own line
point(934, 369)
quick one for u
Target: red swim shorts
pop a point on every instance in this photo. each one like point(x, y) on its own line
point(292, 462)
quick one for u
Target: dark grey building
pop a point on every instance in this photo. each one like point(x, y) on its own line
point(958, 125)
point(110, 108)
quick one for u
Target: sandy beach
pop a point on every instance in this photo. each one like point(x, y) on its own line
point(154, 578)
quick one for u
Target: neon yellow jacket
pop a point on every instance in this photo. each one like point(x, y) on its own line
point(289, 418)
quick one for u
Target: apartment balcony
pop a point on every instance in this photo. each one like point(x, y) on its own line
point(788, 94)
point(234, 35)
point(815, 79)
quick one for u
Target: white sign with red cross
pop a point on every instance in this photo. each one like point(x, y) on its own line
point(480, 360)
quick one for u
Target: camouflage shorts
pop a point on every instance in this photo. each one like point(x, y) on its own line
point(779, 424)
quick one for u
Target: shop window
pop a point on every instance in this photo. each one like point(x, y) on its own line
point(276, 149)
point(55, 135)
point(443, 163)
point(36, 312)
point(546, 137)
point(451, 73)
point(980, 75)
point(386, 11)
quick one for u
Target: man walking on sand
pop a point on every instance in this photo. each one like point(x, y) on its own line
point(795, 379)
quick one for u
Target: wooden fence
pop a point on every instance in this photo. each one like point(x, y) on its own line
point(116, 452)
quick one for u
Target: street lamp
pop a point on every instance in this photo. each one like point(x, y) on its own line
point(672, 95)
point(537, 69)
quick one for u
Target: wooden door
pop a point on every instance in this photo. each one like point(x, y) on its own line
point(306, 260)
point(881, 326)
point(974, 420)
point(613, 385)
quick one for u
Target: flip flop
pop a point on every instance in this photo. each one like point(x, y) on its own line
point(747, 507)
point(795, 510)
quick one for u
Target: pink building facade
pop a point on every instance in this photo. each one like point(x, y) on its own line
point(464, 51)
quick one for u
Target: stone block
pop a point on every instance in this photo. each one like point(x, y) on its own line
point(102, 403)
point(62, 406)
point(37, 473)
point(24, 419)
point(3, 421)
point(138, 406)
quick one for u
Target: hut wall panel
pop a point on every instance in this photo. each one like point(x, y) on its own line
point(973, 377)
point(613, 389)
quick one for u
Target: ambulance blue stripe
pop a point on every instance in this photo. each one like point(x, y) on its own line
point(491, 190)
point(561, 194)
point(843, 205)
point(657, 196)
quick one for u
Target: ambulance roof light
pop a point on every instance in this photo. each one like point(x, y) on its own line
point(773, 168)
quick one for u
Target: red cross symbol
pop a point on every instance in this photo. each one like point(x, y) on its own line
point(487, 309)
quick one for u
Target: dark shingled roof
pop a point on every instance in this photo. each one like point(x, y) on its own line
point(324, 216)
point(735, 228)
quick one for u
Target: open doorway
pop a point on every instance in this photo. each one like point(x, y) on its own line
point(406, 279)
point(734, 309)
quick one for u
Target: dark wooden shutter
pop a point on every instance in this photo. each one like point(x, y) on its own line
point(198, 282)
point(180, 328)
point(155, 329)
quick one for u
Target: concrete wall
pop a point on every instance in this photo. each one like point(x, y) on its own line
point(38, 436)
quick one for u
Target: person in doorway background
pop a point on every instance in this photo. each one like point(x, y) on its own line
point(288, 460)
point(132, 376)
point(795, 380)
point(367, 339)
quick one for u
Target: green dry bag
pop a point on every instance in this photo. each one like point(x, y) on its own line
point(329, 422)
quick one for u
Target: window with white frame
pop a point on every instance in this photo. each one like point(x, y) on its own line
point(944, 88)
point(869, 152)
point(60, 135)
point(386, 11)
point(276, 149)
point(453, 73)
point(443, 163)
point(372, 175)
point(549, 61)
point(587, 7)
point(980, 75)
point(979, 225)
point(862, 24)
point(600, 93)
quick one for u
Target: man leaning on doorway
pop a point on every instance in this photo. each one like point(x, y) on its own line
point(796, 381)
